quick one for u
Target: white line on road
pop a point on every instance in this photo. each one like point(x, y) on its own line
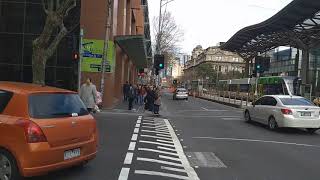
point(170, 158)
point(163, 141)
point(124, 174)
point(162, 135)
point(159, 161)
point(154, 127)
point(155, 137)
point(157, 151)
point(154, 173)
point(148, 121)
point(190, 171)
point(128, 159)
point(139, 121)
point(132, 146)
point(136, 130)
point(157, 143)
point(165, 148)
point(173, 169)
point(137, 125)
point(205, 109)
point(256, 140)
point(134, 137)
point(158, 132)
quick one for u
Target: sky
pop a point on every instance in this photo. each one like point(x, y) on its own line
point(207, 22)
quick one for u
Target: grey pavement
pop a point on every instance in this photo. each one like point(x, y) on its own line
point(195, 139)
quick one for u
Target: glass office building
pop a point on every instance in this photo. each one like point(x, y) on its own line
point(21, 21)
point(287, 61)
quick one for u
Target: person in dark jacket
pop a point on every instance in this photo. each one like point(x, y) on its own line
point(125, 90)
point(131, 96)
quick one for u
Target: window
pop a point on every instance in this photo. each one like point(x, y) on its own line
point(269, 101)
point(45, 106)
point(296, 102)
point(4, 99)
point(258, 102)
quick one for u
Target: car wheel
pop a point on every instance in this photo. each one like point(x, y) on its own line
point(312, 130)
point(272, 123)
point(8, 167)
point(247, 116)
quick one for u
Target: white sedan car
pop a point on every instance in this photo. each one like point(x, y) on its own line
point(284, 111)
point(180, 93)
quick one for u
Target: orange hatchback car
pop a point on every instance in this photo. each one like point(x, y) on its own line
point(43, 129)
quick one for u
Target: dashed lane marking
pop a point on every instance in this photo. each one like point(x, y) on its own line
point(136, 130)
point(132, 146)
point(134, 137)
point(128, 159)
point(124, 174)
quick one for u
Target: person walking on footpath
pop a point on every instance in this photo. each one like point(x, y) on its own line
point(157, 102)
point(125, 90)
point(131, 96)
point(88, 94)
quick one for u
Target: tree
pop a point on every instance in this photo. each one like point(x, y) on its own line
point(46, 44)
point(169, 36)
point(206, 70)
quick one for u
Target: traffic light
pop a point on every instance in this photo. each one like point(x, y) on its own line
point(262, 64)
point(159, 61)
point(75, 56)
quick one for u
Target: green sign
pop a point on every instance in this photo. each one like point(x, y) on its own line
point(92, 56)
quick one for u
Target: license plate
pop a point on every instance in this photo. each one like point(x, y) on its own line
point(305, 113)
point(71, 154)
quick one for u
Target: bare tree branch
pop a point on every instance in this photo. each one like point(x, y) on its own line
point(44, 7)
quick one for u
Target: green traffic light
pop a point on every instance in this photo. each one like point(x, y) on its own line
point(161, 65)
point(258, 66)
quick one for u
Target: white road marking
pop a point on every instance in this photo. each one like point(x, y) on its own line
point(170, 158)
point(157, 143)
point(128, 159)
point(136, 130)
point(155, 137)
point(134, 137)
point(157, 151)
point(162, 135)
point(233, 119)
point(190, 171)
point(256, 140)
point(137, 125)
point(159, 161)
point(162, 129)
point(163, 141)
point(165, 148)
point(158, 132)
point(151, 124)
point(139, 121)
point(173, 169)
point(124, 174)
point(155, 173)
point(148, 121)
point(205, 109)
point(132, 146)
point(155, 127)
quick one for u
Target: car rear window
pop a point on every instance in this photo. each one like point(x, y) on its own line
point(296, 102)
point(5, 97)
point(46, 106)
point(182, 90)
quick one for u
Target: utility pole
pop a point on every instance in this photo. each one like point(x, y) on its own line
point(106, 46)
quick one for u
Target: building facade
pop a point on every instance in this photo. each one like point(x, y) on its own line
point(222, 61)
point(125, 44)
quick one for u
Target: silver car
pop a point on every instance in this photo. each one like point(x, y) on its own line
point(180, 93)
point(284, 111)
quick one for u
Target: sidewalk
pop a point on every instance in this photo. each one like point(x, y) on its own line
point(225, 101)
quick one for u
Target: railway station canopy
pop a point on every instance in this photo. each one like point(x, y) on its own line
point(296, 25)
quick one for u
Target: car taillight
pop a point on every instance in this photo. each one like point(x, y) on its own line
point(32, 131)
point(286, 111)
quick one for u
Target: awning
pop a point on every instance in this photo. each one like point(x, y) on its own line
point(134, 46)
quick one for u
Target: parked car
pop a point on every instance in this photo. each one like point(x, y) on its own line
point(43, 129)
point(180, 93)
point(284, 111)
